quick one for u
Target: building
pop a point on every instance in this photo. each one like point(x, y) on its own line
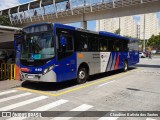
point(147, 26)
point(127, 25)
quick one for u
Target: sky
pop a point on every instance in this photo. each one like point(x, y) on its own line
point(91, 25)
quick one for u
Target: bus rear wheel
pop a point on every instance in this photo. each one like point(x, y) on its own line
point(82, 75)
point(125, 67)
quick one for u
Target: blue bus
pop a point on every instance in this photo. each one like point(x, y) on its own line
point(49, 52)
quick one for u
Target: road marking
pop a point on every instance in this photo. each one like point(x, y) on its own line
point(43, 108)
point(76, 88)
point(106, 83)
point(82, 108)
point(7, 92)
point(150, 119)
point(14, 97)
point(108, 118)
point(22, 103)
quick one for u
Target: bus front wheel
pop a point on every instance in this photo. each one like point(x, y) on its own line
point(82, 75)
point(125, 67)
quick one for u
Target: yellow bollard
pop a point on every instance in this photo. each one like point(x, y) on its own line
point(7, 71)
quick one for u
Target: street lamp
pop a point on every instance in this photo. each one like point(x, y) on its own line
point(144, 42)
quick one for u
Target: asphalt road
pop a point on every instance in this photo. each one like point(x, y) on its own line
point(135, 90)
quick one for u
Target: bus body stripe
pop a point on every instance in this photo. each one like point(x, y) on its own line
point(109, 63)
point(114, 61)
point(117, 62)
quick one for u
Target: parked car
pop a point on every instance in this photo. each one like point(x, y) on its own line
point(142, 55)
point(154, 51)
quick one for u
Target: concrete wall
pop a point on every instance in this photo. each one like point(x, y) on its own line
point(5, 37)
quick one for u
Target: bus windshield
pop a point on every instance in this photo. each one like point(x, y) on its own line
point(37, 46)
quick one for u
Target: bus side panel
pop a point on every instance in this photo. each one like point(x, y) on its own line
point(115, 61)
point(99, 62)
point(135, 57)
point(123, 57)
point(92, 59)
point(66, 69)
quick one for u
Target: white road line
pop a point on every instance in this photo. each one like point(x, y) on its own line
point(82, 108)
point(108, 118)
point(22, 103)
point(14, 97)
point(51, 105)
point(150, 119)
point(43, 108)
point(106, 83)
point(7, 92)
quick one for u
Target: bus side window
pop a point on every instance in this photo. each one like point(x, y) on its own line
point(93, 43)
point(110, 44)
point(68, 43)
point(125, 46)
point(103, 44)
point(81, 42)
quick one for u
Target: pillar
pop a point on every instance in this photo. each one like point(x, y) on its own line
point(84, 24)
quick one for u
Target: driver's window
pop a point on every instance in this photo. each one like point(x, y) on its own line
point(65, 46)
point(65, 40)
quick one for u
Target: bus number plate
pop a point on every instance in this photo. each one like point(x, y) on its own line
point(30, 76)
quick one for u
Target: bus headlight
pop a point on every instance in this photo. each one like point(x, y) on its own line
point(48, 69)
point(45, 71)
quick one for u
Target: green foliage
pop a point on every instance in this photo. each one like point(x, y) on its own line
point(4, 20)
point(154, 42)
point(117, 31)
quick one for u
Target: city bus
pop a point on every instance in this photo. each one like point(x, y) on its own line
point(48, 52)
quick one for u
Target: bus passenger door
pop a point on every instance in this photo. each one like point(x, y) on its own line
point(66, 57)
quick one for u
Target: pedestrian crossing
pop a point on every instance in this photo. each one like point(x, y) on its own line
point(7, 92)
point(45, 106)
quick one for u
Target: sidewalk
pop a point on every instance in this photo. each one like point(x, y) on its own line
point(7, 84)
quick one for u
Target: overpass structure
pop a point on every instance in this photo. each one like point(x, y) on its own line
point(79, 10)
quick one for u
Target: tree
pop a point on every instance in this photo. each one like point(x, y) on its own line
point(117, 31)
point(4, 20)
point(154, 42)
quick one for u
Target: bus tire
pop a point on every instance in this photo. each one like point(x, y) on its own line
point(125, 66)
point(82, 75)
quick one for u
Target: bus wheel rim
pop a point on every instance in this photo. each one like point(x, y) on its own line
point(81, 74)
point(125, 66)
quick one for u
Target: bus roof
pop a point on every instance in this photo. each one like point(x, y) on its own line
point(102, 33)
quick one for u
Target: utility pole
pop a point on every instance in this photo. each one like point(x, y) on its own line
point(119, 25)
point(144, 27)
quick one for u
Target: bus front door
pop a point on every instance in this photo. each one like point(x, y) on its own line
point(66, 58)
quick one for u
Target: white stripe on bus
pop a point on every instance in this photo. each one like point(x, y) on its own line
point(22, 103)
point(14, 97)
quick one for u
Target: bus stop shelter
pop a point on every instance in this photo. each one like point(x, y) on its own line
point(7, 70)
point(7, 36)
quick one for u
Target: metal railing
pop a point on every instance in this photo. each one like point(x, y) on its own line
point(76, 7)
point(7, 71)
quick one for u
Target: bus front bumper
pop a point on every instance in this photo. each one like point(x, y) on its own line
point(48, 77)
